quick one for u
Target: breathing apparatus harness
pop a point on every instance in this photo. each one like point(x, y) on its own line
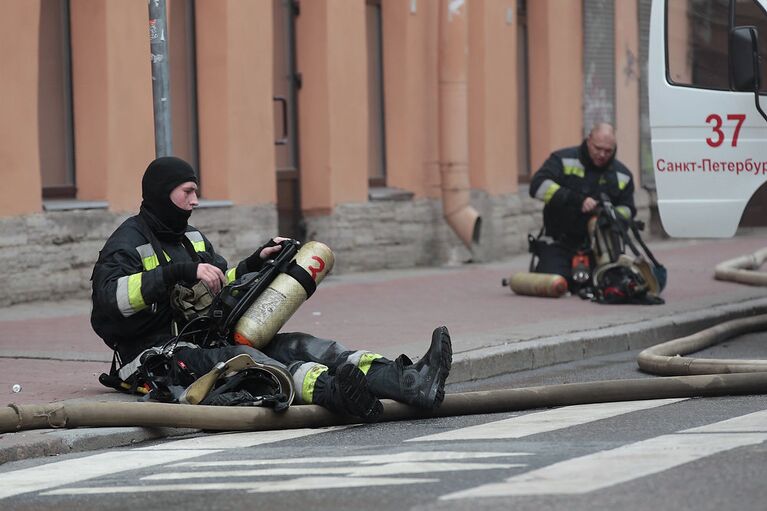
point(213, 325)
point(617, 277)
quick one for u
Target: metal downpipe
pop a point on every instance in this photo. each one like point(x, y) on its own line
point(453, 122)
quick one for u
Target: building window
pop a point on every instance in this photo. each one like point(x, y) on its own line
point(376, 125)
point(56, 135)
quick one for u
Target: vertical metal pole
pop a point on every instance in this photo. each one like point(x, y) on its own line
point(158, 45)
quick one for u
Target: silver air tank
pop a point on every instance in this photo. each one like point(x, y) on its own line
point(272, 309)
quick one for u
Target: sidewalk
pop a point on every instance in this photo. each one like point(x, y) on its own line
point(52, 353)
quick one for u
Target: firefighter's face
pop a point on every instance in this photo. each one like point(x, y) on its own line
point(185, 196)
point(601, 147)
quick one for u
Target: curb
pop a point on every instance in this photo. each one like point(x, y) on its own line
point(518, 356)
point(54, 442)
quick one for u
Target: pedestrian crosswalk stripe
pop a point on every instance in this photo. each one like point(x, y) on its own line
point(300, 484)
point(388, 469)
point(751, 423)
point(579, 475)
point(77, 470)
point(239, 440)
point(372, 459)
point(546, 421)
point(608, 468)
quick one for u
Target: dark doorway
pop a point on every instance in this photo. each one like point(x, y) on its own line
point(286, 83)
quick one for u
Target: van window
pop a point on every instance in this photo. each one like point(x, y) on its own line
point(697, 40)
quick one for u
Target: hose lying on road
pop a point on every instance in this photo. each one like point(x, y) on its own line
point(667, 359)
point(110, 414)
point(706, 377)
point(743, 269)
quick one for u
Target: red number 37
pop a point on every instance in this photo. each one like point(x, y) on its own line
point(718, 137)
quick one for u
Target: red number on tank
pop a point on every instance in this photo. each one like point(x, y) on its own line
point(317, 269)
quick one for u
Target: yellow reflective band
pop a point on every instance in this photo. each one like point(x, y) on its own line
point(623, 211)
point(307, 389)
point(198, 243)
point(231, 275)
point(366, 360)
point(135, 298)
point(574, 171)
point(623, 181)
point(151, 262)
point(550, 191)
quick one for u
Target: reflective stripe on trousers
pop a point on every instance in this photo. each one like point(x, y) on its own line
point(304, 379)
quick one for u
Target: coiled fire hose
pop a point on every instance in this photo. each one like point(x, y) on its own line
point(699, 378)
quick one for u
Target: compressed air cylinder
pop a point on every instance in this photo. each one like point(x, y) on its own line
point(537, 284)
point(282, 298)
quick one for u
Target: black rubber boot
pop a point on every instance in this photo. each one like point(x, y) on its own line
point(347, 392)
point(421, 384)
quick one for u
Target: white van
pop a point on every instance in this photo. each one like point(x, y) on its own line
point(709, 129)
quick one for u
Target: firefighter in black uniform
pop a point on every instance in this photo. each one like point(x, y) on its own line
point(570, 183)
point(152, 251)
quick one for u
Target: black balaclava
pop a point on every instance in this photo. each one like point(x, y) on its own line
point(167, 220)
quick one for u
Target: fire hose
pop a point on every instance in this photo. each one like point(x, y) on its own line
point(743, 269)
point(685, 377)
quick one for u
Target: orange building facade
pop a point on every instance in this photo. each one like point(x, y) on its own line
point(364, 124)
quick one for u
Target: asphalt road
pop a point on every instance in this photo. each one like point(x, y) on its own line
point(689, 454)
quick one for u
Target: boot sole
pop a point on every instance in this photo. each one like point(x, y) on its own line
point(442, 347)
point(358, 398)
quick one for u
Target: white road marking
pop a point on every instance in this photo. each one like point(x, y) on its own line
point(60, 473)
point(76, 470)
point(300, 484)
point(373, 459)
point(628, 462)
point(543, 422)
point(240, 440)
point(389, 469)
point(752, 423)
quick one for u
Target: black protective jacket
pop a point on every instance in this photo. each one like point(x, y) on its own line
point(565, 179)
point(131, 305)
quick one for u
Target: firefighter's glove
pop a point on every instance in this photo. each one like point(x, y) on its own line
point(179, 272)
point(255, 261)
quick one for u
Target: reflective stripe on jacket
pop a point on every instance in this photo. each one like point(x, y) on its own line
point(566, 178)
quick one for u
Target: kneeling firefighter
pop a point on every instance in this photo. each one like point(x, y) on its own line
point(588, 218)
point(150, 253)
point(570, 183)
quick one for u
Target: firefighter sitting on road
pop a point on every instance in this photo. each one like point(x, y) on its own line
point(570, 183)
point(132, 283)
